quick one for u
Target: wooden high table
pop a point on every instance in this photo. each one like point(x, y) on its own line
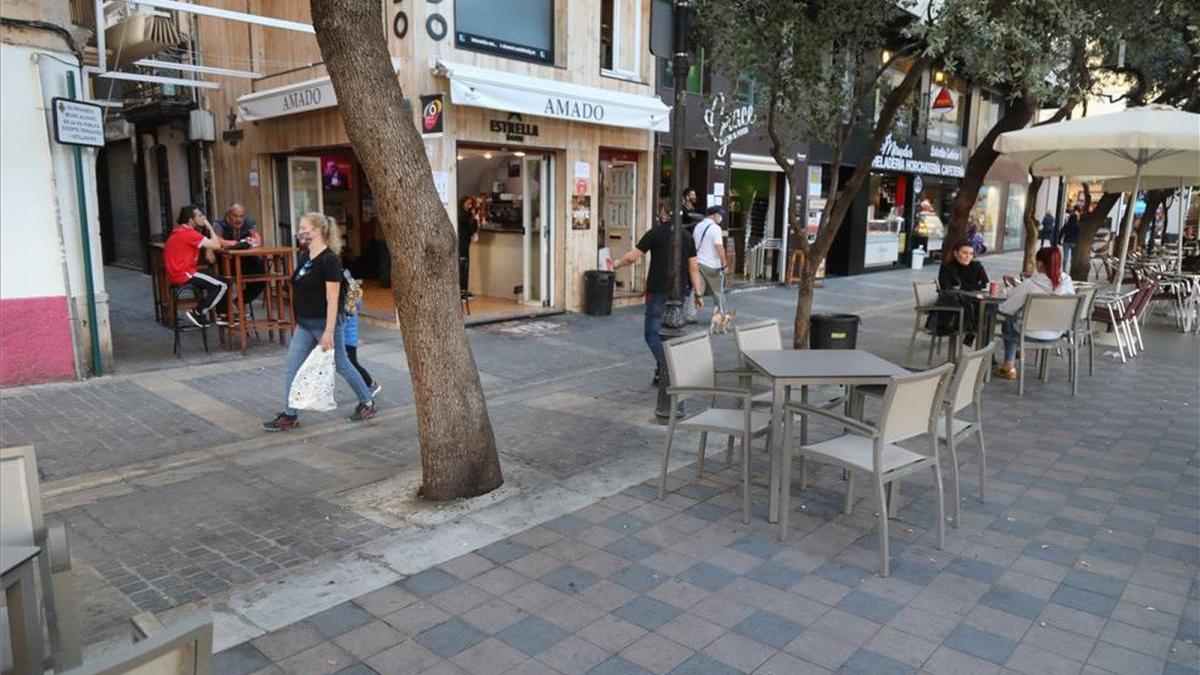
point(804, 368)
point(278, 265)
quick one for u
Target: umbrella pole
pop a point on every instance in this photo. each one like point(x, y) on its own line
point(1127, 230)
point(1184, 207)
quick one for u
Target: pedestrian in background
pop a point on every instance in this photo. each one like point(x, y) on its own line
point(353, 307)
point(1068, 237)
point(1047, 232)
point(710, 253)
point(318, 296)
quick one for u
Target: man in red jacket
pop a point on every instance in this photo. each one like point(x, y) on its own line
point(191, 234)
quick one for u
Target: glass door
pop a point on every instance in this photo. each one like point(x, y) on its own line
point(304, 188)
point(535, 214)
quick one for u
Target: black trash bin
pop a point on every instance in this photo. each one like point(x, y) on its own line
point(833, 331)
point(598, 292)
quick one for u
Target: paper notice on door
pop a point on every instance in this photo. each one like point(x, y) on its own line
point(583, 170)
point(441, 180)
point(719, 189)
point(714, 200)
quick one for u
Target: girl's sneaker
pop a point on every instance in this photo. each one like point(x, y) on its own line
point(376, 387)
point(363, 412)
point(282, 422)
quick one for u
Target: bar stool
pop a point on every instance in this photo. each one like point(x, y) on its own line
point(177, 292)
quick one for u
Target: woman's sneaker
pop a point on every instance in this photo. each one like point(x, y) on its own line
point(363, 412)
point(196, 318)
point(282, 422)
point(375, 389)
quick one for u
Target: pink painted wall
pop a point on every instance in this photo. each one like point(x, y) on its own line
point(35, 341)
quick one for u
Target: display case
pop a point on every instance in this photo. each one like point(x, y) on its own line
point(883, 241)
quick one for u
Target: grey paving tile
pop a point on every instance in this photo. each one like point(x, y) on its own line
point(1031, 660)
point(1051, 553)
point(1125, 661)
point(429, 582)
point(656, 653)
point(287, 641)
point(772, 629)
point(625, 523)
point(1096, 583)
point(450, 638)
point(974, 569)
point(611, 633)
point(709, 512)
point(913, 572)
point(706, 576)
point(867, 662)
point(240, 660)
point(340, 619)
point(756, 545)
point(1117, 552)
point(569, 579)
point(700, 664)
point(573, 656)
point(842, 573)
point(366, 641)
point(618, 666)
point(740, 652)
point(504, 551)
point(639, 578)
point(646, 612)
point(777, 574)
point(357, 669)
point(1012, 601)
point(867, 606)
point(632, 548)
point(947, 661)
point(980, 644)
point(323, 659)
point(532, 635)
point(1086, 601)
point(567, 525)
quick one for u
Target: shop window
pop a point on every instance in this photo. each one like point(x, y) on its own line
point(985, 216)
point(517, 29)
point(620, 38)
point(696, 79)
point(1014, 216)
point(745, 90)
point(946, 108)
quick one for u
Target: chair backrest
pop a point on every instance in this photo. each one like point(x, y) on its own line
point(690, 361)
point(758, 335)
point(1046, 312)
point(969, 372)
point(1087, 295)
point(925, 292)
point(911, 404)
point(20, 497)
point(1141, 299)
point(182, 649)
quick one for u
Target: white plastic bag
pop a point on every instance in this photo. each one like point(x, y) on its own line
point(312, 389)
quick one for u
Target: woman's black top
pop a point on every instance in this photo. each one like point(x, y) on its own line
point(970, 277)
point(308, 284)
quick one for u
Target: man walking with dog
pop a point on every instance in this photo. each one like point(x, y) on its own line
point(710, 258)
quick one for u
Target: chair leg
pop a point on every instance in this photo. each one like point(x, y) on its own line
point(1091, 340)
point(912, 343)
point(204, 339)
point(785, 488)
point(982, 461)
point(1074, 355)
point(700, 455)
point(729, 451)
point(884, 552)
point(848, 506)
point(745, 477)
point(1021, 372)
point(932, 345)
point(950, 443)
point(662, 484)
point(893, 498)
point(941, 507)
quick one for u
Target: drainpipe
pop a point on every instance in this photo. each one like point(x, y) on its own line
point(86, 241)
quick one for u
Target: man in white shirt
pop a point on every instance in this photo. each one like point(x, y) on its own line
point(710, 253)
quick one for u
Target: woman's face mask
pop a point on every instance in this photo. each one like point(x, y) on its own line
point(303, 238)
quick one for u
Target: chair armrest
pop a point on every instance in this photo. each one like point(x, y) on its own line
point(57, 548)
point(736, 392)
point(850, 424)
point(737, 371)
point(938, 308)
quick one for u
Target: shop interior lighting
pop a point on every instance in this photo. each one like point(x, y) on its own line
point(939, 76)
point(487, 155)
point(460, 158)
point(519, 153)
point(885, 56)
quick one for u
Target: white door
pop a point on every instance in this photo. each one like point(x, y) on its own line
point(304, 188)
point(620, 228)
point(538, 240)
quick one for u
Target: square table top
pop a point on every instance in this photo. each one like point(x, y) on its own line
point(12, 557)
point(822, 364)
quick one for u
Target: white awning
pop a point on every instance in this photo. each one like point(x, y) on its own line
point(289, 99)
point(499, 90)
point(738, 160)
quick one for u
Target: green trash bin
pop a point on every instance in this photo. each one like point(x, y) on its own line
point(833, 331)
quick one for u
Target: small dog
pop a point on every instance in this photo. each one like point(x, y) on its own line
point(721, 322)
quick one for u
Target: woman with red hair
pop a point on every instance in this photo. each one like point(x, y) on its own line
point(1048, 278)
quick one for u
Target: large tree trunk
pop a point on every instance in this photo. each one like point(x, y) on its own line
point(458, 448)
point(1032, 225)
point(1154, 199)
point(1015, 117)
point(1081, 261)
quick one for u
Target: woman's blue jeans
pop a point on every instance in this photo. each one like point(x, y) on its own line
point(306, 338)
point(1012, 340)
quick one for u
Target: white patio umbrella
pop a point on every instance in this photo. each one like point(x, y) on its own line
point(1150, 142)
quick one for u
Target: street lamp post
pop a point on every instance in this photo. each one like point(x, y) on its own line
point(673, 319)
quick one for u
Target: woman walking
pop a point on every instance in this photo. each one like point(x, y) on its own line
point(317, 300)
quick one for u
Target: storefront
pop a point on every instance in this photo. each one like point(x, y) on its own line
point(558, 161)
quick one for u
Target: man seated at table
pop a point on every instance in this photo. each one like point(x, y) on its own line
point(238, 231)
point(192, 234)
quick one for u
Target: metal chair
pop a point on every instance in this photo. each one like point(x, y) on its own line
point(912, 406)
point(177, 303)
point(1083, 322)
point(691, 370)
point(926, 295)
point(22, 524)
point(182, 649)
point(1048, 313)
point(966, 391)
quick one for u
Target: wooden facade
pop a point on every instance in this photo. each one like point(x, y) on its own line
point(245, 154)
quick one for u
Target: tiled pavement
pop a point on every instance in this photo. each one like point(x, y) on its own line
point(1084, 559)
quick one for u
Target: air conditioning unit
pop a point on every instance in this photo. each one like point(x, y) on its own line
point(136, 32)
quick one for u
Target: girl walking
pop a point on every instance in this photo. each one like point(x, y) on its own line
point(317, 300)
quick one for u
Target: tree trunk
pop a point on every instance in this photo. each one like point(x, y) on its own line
point(1032, 225)
point(1015, 117)
point(804, 302)
point(1081, 261)
point(458, 448)
point(1154, 199)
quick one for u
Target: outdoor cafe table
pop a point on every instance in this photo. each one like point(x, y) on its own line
point(278, 263)
point(804, 368)
point(987, 307)
point(24, 621)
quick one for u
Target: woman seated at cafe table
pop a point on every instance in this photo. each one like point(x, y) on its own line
point(1048, 278)
point(962, 272)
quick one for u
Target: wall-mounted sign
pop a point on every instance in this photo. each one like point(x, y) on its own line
point(931, 159)
point(516, 29)
point(724, 127)
point(943, 100)
point(581, 186)
point(78, 123)
point(581, 212)
point(432, 115)
point(515, 128)
point(918, 185)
